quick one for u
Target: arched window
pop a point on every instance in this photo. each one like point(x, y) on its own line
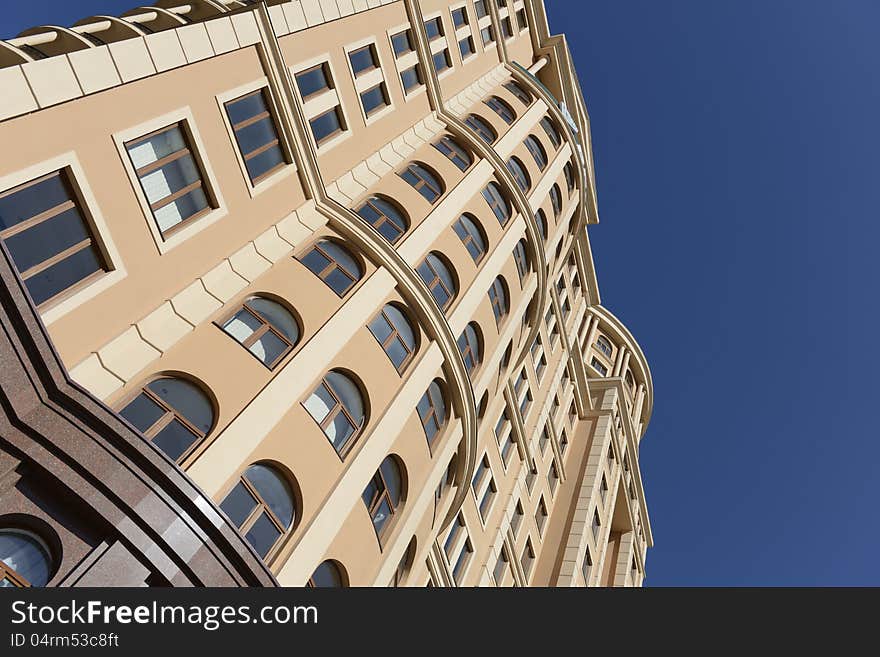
point(454, 151)
point(537, 151)
point(519, 173)
point(432, 410)
point(385, 216)
point(499, 299)
point(484, 130)
point(404, 565)
point(334, 265)
point(174, 414)
point(524, 96)
point(383, 494)
point(556, 199)
point(471, 235)
point(497, 203)
point(552, 132)
point(394, 332)
point(262, 507)
point(568, 170)
point(630, 382)
point(604, 345)
point(24, 559)
point(521, 257)
point(469, 346)
point(501, 108)
point(423, 181)
point(265, 328)
point(541, 220)
point(338, 408)
point(327, 575)
point(439, 280)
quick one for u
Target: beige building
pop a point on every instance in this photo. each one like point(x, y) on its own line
point(331, 258)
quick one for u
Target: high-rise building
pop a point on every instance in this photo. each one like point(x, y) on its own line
point(328, 258)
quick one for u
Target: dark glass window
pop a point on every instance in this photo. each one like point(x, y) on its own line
point(363, 60)
point(383, 494)
point(412, 77)
point(469, 346)
point(334, 265)
point(480, 7)
point(338, 408)
point(24, 559)
point(432, 411)
point(423, 181)
point(386, 217)
point(374, 99)
point(499, 205)
point(524, 96)
point(394, 332)
point(454, 151)
point(434, 28)
point(487, 34)
point(327, 575)
point(521, 257)
point(556, 200)
point(314, 80)
point(256, 134)
point(501, 108)
point(483, 129)
point(498, 298)
point(459, 17)
point(541, 220)
point(569, 176)
point(466, 47)
point(326, 125)
point(518, 171)
point(265, 328)
point(442, 60)
point(552, 132)
point(262, 507)
point(471, 235)
point(439, 280)
point(402, 43)
point(538, 153)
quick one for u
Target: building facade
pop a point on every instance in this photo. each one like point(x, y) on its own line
point(317, 274)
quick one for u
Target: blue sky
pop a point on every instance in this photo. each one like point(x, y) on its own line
point(736, 146)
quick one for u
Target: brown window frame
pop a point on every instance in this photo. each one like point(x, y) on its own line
point(438, 280)
point(454, 153)
point(479, 125)
point(11, 575)
point(539, 155)
point(521, 94)
point(340, 122)
point(259, 333)
point(499, 299)
point(432, 414)
point(500, 107)
point(395, 335)
point(471, 350)
point(333, 265)
point(469, 238)
point(383, 493)
point(384, 218)
point(260, 507)
point(328, 77)
point(339, 407)
point(255, 119)
point(374, 57)
point(413, 168)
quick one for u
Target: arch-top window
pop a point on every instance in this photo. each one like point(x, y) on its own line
point(174, 414)
point(502, 109)
point(327, 575)
point(498, 298)
point(484, 130)
point(385, 216)
point(556, 200)
point(383, 494)
point(541, 220)
point(338, 408)
point(521, 257)
point(552, 132)
point(262, 507)
point(524, 96)
point(24, 559)
point(469, 346)
point(439, 280)
point(394, 332)
point(423, 181)
point(495, 199)
point(432, 410)
point(334, 265)
point(518, 171)
point(534, 147)
point(454, 151)
point(630, 382)
point(471, 235)
point(604, 345)
point(265, 328)
point(568, 170)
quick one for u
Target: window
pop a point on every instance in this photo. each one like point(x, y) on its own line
point(563, 443)
point(502, 566)
point(531, 475)
point(459, 17)
point(498, 298)
point(630, 382)
point(552, 132)
point(599, 367)
point(434, 28)
point(527, 561)
point(466, 47)
point(402, 43)
point(439, 280)
point(597, 525)
point(394, 332)
point(411, 78)
point(374, 99)
point(334, 265)
point(487, 34)
point(327, 575)
point(404, 565)
point(314, 80)
point(471, 235)
point(458, 548)
point(483, 129)
point(265, 328)
point(569, 176)
point(442, 60)
point(539, 360)
point(572, 414)
point(49, 239)
point(481, 9)
point(541, 516)
point(454, 151)
point(553, 478)
point(24, 559)
point(521, 257)
point(524, 96)
point(503, 437)
point(469, 346)
point(327, 125)
point(534, 147)
point(541, 220)
point(383, 494)
point(521, 19)
point(497, 203)
point(544, 439)
point(506, 27)
point(432, 410)
point(552, 328)
point(518, 171)
point(518, 515)
point(525, 399)
point(385, 216)
point(170, 177)
point(338, 407)
point(505, 448)
point(262, 506)
point(604, 345)
point(423, 181)
point(174, 414)
point(363, 60)
point(256, 134)
point(483, 485)
point(502, 109)
point(603, 489)
point(556, 200)
point(587, 566)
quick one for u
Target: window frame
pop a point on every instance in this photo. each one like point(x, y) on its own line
point(266, 327)
point(502, 108)
point(262, 506)
point(395, 334)
point(339, 407)
point(415, 168)
point(333, 265)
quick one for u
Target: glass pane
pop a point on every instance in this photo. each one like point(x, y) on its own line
point(156, 147)
point(263, 534)
point(316, 261)
point(325, 125)
point(256, 134)
point(391, 473)
point(246, 108)
point(46, 239)
point(142, 412)
point(391, 212)
point(348, 393)
point(25, 555)
point(32, 200)
point(362, 60)
point(180, 210)
point(442, 271)
point(174, 439)
point(339, 431)
point(338, 281)
point(401, 43)
point(261, 164)
point(381, 515)
point(410, 78)
point(327, 576)
point(186, 399)
point(380, 328)
point(373, 98)
point(342, 256)
point(401, 323)
point(277, 315)
point(441, 61)
point(269, 348)
point(242, 325)
point(397, 352)
point(64, 274)
point(274, 490)
point(238, 504)
point(310, 82)
point(319, 403)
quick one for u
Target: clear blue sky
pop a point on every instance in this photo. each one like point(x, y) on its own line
point(737, 151)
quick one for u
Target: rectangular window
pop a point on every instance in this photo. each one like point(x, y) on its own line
point(442, 60)
point(502, 566)
point(363, 60)
point(587, 567)
point(603, 489)
point(170, 177)
point(527, 561)
point(553, 478)
point(531, 475)
point(401, 43)
point(506, 448)
point(544, 439)
point(487, 34)
point(563, 443)
point(411, 78)
point(572, 414)
point(516, 520)
point(256, 134)
point(541, 516)
point(522, 20)
point(487, 499)
point(314, 80)
point(374, 99)
point(597, 525)
point(466, 47)
point(458, 548)
point(482, 10)
point(506, 28)
point(49, 239)
point(326, 125)
point(459, 17)
point(599, 367)
point(434, 28)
